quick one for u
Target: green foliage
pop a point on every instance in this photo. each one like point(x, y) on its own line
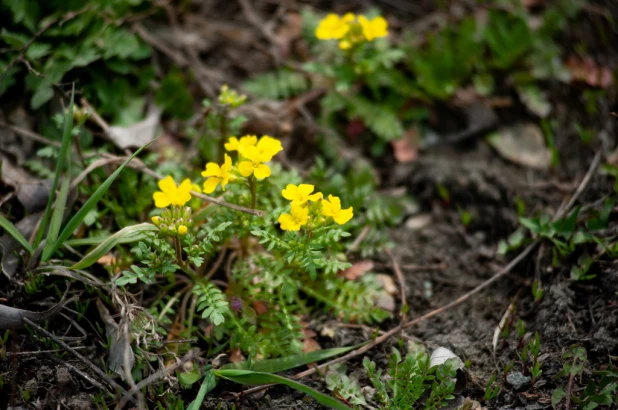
point(211, 301)
point(74, 36)
point(602, 388)
point(346, 387)
point(410, 378)
point(276, 85)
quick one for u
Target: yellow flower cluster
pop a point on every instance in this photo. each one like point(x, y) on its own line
point(350, 29)
point(300, 196)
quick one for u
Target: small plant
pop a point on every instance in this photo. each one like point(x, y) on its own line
point(492, 389)
point(410, 378)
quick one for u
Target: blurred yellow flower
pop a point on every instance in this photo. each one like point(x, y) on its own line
point(293, 221)
point(217, 175)
point(234, 144)
point(299, 195)
point(266, 148)
point(374, 28)
point(182, 230)
point(332, 208)
point(171, 194)
point(333, 27)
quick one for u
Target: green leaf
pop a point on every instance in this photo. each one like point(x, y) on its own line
point(64, 149)
point(12, 230)
point(129, 234)
point(42, 95)
point(277, 85)
point(256, 378)
point(209, 383)
point(57, 216)
point(286, 363)
point(92, 201)
point(557, 396)
point(174, 97)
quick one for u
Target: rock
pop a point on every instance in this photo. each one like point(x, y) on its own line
point(518, 380)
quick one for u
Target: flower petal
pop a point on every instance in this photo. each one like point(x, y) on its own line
point(288, 223)
point(305, 189)
point(211, 184)
point(212, 170)
point(290, 192)
point(245, 168)
point(316, 197)
point(344, 216)
point(262, 171)
point(232, 144)
point(167, 184)
point(161, 199)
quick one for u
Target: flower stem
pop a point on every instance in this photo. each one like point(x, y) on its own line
point(178, 247)
point(253, 193)
point(223, 131)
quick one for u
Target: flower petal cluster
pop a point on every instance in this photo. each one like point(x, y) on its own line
point(293, 221)
point(234, 144)
point(255, 157)
point(350, 29)
point(171, 194)
point(332, 208)
point(217, 175)
point(299, 195)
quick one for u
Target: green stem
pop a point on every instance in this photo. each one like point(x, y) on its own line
point(253, 193)
point(223, 131)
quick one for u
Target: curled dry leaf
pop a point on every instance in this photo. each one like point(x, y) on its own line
point(121, 357)
point(357, 270)
point(31, 192)
point(236, 356)
point(310, 345)
point(12, 318)
point(139, 134)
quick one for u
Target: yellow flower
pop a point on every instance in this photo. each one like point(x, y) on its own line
point(332, 27)
point(156, 220)
point(234, 144)
point(217, 175)
point(293, 221)
point(182, 230)
point(374, 28)
point(332, 208)
point(299, 195)
point(172, 194)
point(266, 148)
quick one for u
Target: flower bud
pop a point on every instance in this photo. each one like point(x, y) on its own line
point(182, 230)
point(166, 214)
point(163, 228)
point(156, 220)
point(186, 212)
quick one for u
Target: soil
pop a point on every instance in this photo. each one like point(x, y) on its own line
point(478, 181)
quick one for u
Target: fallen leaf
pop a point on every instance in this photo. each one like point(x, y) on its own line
point(121, 357)
point(357, 270)
point(587, 71)
point(236, 356)
point(416, 223)
point(138, 134)
point(535, 100)
point(522, 144)
point(31, 192)
point(108, 259)
point(328, 331)
point(387, 283)
point(12, 318)
point(310, 345)
point(386, 302)
point(309, 333)
point(260, 307)
point(406, 148)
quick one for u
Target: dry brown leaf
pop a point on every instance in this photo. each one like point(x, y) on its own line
point(357, 270)
point(406, 148)
point(310, 345)
point(236, 356)
point(260, 307)
point(587, 71)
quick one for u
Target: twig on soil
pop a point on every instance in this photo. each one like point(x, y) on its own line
point(564, 208)
point(402, 286)
point(111, 383)
point(567, 405)
point(359, 239)
point(35, 352)
point(153, 378)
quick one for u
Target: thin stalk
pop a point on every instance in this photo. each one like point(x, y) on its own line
point(252, 190)
point(223, 131)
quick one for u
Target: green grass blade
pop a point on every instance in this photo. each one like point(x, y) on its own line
point(64, 149)
point(78, 218)
point(56, 219)
point(209, 383)
point(12, 230)
point(128, 234)
point(98, 240)
point(257, 378)
point(289, 362)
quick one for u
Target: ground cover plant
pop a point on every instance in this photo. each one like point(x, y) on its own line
point(308, 205)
